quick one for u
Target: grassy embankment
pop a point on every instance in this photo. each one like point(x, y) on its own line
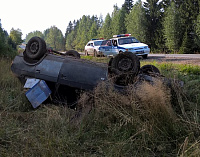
point(147, 121)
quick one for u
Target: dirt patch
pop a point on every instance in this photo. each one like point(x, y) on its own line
point(192, 61)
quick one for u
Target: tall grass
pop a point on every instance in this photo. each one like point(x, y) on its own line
point(148, 120)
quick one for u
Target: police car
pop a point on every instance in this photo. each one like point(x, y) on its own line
point(92, 47)
point(122, 43)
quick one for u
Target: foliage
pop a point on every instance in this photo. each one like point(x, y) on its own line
point(106, 30)
point(33, 34)
point(16, 37)
point(118, 21)
point(71, 36)
point(127, 6)
point(7, 46)
point(189, 11)
point(2, 40)
point(82, 33)
point(136, 22)
point(171, 24)
point(172, 27)
point(55, 39)
point(153, 13)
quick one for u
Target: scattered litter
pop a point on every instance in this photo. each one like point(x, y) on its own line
point(30, 82)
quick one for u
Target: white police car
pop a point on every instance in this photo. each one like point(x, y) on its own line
point(92, 47)
point(122, 43)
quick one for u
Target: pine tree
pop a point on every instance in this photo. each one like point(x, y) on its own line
point(136, 22)
point(69, 29)
point(2, 40)
point(153, 13)
point(127, 6)
point(16, 36)
point(189, 11)
point(118, 22)
point(172, 26)
point(55, 39)
point(106, 30)
point(185, 47)
point(93, 30)
point(82, 33)
point(197, 32)
point(70, 40)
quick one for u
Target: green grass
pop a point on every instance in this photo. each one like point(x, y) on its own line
point(96, 59)
point(146, 121)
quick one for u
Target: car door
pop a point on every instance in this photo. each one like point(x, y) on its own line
point(115, 49)
point(108, 47)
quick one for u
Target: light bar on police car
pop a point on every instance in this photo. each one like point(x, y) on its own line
point(121, 35)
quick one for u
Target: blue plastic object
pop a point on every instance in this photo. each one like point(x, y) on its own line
point(38, 93)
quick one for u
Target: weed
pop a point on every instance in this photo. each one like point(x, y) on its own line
point(149, 120)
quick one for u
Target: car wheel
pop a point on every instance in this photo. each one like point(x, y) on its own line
point(149, 69)
point(124, 68)
point(73, 53)
point(144, 56)
point(36, 48)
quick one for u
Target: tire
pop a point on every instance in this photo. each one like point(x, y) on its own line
point(144, 56)
point(36, 48)
point(149, 70)
point(73, 54)
point(124, 68)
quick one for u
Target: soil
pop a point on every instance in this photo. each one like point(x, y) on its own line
point(191, 61)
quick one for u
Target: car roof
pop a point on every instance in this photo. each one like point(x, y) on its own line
point(95, 40)
point(122, 37)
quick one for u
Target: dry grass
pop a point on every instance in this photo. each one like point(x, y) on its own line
point(146, 120)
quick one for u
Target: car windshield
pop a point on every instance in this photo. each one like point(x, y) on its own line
point(106, 43)
point(97, 43)
point(129, 40)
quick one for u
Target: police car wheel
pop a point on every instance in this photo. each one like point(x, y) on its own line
point(36, 48)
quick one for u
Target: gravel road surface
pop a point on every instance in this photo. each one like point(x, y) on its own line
point(176, 58)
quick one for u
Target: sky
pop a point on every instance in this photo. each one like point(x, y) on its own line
point(29, 16)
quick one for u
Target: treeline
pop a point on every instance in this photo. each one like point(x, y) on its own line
point(9, 43)
point(165, 25)
point(53, 37)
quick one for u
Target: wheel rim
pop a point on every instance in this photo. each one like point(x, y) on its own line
point(34, 47)
point(125, 64)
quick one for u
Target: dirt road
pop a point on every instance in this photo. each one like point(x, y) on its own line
point(176, 58)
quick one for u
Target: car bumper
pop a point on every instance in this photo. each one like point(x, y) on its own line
point(141, 52)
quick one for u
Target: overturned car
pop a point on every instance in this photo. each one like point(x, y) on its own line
point(66, 75)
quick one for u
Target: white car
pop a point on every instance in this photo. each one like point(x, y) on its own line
point(92, 47)
point(122, 43)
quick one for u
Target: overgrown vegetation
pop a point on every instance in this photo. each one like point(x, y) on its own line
point(146, 121)
point(8, 44)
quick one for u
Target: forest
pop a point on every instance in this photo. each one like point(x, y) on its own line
point(167, 26)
